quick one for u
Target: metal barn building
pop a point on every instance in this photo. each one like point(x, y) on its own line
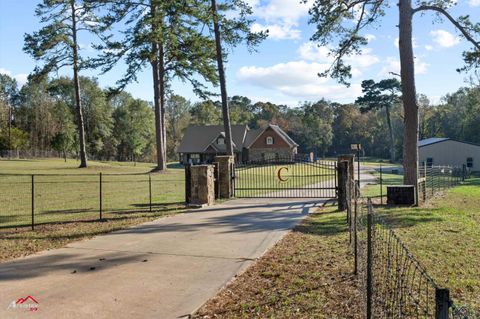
point(445, 151)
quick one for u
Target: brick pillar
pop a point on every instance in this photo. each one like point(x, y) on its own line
point(202, 188)
point(225, 170)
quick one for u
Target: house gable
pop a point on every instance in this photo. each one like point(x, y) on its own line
point(278, 140)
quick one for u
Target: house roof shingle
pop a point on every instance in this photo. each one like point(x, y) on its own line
point(198, 138)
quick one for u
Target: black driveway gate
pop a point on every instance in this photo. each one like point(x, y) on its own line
point(285, 178)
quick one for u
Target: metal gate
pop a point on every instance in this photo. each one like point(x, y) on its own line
point(285, 178)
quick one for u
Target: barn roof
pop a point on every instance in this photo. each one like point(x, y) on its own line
point(434, 140)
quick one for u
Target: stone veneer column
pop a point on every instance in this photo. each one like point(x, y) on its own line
point(225, 170)
point(202, 185)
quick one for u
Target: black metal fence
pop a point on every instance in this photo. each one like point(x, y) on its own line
point(432, 179)
point(285, 178)
point(392, 281)
point(29, 200)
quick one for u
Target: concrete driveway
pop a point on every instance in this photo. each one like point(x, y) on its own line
point(162, 269)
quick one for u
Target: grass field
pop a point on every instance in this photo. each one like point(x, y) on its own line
point(388, 179)
point(67, 201)
point(444, 235)
point(66, 193)
point(308, 274)
point(263, 180)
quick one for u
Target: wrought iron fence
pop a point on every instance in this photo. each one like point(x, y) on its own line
point(393, 282)
point(30, 200)
point(285, 178)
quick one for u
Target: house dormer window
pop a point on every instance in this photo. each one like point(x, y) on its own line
point(220, 141)
point(269, 140)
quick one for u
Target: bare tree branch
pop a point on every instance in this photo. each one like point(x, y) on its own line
point(451, 19)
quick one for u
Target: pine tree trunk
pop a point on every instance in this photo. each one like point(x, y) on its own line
point(390, 132)
point(223, 85)
point(410, 144)
point(158, 92)
point(161, 74)
point(76, 82)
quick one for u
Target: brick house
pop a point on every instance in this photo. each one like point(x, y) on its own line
point(200, 144)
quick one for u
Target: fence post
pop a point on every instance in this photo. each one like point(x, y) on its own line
point(33, 202)
point(464, 172)
point(216, 175)
point(150, 191)
point(369, 260)
point(343, 183)
point(188, 183)
point(355, 238)
point(442, 303)
point(101, 208)
point(381, 185)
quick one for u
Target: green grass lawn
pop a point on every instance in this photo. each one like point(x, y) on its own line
point(64, 193)
point(444, 235)
point(253, 181)
point(67, 201)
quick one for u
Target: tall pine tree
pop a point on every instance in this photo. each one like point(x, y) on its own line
point(56, 44)
point(233, 30)
point(168, 36)
point(340, 25)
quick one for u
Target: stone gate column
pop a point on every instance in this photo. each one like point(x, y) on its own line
point(202, 189)
point(225, 173)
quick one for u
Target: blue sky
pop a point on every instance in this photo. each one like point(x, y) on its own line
point(285, 67)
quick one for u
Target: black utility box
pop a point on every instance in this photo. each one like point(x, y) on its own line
point(401, 195)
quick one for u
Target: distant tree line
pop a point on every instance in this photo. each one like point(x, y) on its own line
point(120, 127)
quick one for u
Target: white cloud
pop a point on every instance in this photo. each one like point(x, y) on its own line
point(444, 38)
point(370, 37)
point(474, 3)
point(279, 31)
point(363, 60)
point(392, 65)
point(298, 79)
point(20, 77)
point(428, 47)
point(5, 71)
point(311, 52)
point(281, 17)
point(282, 75)
point(281, 10)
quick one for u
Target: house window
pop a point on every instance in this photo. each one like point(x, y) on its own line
point(429, 162)
point(221, 141)
point(195, 156)
point(269, 140)
point(470, 162)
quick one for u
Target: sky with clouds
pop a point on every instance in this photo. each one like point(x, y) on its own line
point(285, 67)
